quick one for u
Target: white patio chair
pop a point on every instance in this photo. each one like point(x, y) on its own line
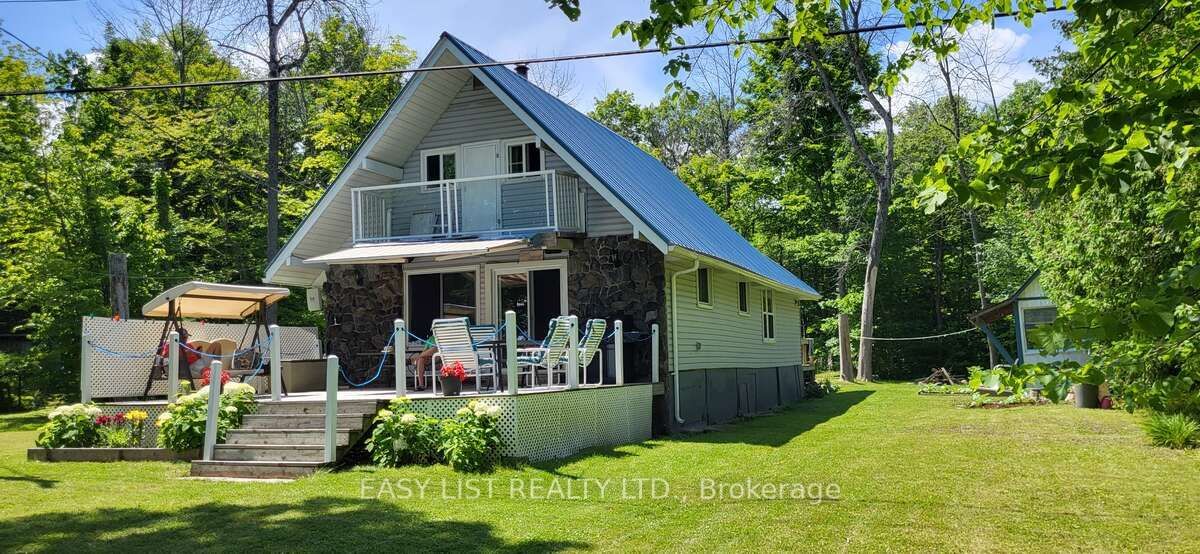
point(590, 345)
point(549, 355)
point(454, 344)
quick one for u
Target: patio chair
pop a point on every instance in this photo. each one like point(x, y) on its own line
point(549, 355)
point(480, 333)
point(454, 344)
point(588, 347)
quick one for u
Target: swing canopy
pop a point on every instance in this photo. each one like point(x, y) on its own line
point(198, 299)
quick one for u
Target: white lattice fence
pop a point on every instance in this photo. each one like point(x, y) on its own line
point(556, 424)
point(124, 376)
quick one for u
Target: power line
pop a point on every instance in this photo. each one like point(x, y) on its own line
point(967, 330)
point(520, 61)
point(37, 1)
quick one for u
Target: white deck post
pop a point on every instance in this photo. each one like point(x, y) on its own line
point(401, 357)
point(172, 366)
point(276, 362)
point(654, 353)
point(510, 347)
point(331, 389)
point(85, 368)
point(618, 352)
point(573, 353)
point(214, 409)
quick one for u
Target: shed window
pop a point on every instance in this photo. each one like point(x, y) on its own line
point(524, 157)
point(768, 315)
point(1036, 317)
point(743, 297)
point(703, 287)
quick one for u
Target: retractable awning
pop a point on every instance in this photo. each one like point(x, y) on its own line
point(213, 300)
point(403, 252)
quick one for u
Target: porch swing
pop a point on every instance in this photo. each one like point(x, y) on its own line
point(202, 300)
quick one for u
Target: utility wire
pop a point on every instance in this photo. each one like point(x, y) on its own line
point(520, 61)
point(967, 330)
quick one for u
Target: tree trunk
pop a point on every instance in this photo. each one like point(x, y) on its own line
point(118, 284)
point(883, 199)
point(845, 363)
point(273, 140)
point(977, 250)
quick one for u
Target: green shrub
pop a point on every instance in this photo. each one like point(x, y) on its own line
point(1172, 430)
point(72, 426)
point(403, 437)
point(470, 441)
point(181, 427)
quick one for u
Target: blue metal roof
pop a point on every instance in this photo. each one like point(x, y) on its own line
point(639, 180)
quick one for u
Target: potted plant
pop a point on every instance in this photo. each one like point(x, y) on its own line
point(453, 376)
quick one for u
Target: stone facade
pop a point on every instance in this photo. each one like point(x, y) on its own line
point(620, 278)
point(360, 303)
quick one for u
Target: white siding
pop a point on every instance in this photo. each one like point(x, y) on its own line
point(726, 338)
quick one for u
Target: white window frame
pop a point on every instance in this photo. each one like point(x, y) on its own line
point(456, 150)
point(508, 143)
point(743, 286)
point(709, 304)
point(768, 311)
point(496, 270)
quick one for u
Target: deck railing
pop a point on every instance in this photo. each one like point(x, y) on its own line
point(492, 204)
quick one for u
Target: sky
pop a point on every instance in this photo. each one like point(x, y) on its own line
point(503, 29)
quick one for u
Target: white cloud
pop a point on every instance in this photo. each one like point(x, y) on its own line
point(990, 61)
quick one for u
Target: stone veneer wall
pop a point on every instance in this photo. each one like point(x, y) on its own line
point(619, 277)
point(360, 303)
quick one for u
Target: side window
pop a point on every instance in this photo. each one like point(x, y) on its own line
point(438, 167)
point(743, 297)
point(768, 315)
point(1036, 317)
point(703, 287)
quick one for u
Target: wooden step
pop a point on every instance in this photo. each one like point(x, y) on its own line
point(353, 422)
point(364, 407)
point(254, 469)
point(271, 452)
point(312, 437)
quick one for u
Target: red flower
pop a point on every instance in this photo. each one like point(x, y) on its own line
point(454, 370)
point(206, 374)
point(103, 420)
point(119, 419)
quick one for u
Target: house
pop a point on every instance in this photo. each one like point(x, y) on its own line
point(1030, 308)
point(477, 193)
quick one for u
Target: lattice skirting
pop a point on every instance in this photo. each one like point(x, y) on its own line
point(557, 424)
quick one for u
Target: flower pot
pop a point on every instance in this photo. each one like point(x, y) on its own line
point(1086, 396)
point(451, 386)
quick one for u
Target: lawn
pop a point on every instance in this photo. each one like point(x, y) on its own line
point(912, 473)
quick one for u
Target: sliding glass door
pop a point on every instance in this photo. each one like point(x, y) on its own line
point(440, 295)
point(536, 295)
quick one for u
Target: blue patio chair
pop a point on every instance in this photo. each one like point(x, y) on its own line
point(549, 355)
point(454, 344)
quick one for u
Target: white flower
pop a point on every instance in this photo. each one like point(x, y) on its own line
point(463, 411)
point(236, 388)
point(385, 413)
point(163, 418)
point(493, 411)
point(231, 409)
point(408, 419)
point(93, 411)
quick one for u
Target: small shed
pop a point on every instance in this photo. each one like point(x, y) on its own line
point(1030, 308)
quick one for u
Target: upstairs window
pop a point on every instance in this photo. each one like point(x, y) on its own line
point(524, 157)
point(439, 165)
point(703, 288)
point(743, 297)
point(768, 315)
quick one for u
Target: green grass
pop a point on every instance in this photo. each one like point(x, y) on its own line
point(916, 473)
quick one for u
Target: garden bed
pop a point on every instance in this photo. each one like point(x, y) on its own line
point(110, 455)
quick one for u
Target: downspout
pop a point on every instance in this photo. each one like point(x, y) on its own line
point(674, 330)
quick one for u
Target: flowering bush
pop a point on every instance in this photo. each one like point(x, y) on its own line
point(454, 370)
point(470, 440)
point(403, 437)
point(206, 376)
point(71, 426)
point(123, 430)
point(181, 427)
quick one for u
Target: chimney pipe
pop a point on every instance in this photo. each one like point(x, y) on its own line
point(523, 70)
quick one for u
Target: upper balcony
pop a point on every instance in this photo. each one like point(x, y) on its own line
point(508, 204)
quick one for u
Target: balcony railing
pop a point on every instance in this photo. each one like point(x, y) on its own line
point(505, 204)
